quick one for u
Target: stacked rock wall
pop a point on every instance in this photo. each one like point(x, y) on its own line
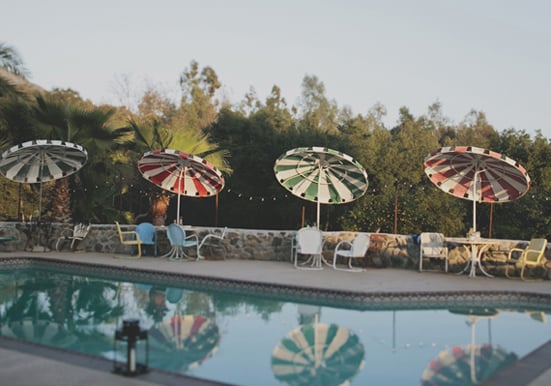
point(385, 250)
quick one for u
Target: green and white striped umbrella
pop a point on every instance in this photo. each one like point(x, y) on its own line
point(318, 354)
point(321, 175)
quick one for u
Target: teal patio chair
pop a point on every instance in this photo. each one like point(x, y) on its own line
point(179, 241)
point(148, 236)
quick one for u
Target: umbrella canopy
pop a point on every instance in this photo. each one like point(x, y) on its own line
point(42, 160)
point(318, 354)
point(40, 331)
point(476, 174)
point(321, 175)
point(470, 366)
point(181, 173)
point(184, 341)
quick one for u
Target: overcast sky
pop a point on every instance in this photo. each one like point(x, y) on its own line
point(489, 55)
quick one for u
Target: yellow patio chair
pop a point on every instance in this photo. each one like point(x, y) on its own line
point(532, 256)
point(130, 238)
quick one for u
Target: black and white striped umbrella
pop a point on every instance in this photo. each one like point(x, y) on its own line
point(42, 160)
point(318, 354)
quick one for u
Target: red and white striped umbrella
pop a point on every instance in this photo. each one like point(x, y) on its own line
point(181, 173)
point(476, 174)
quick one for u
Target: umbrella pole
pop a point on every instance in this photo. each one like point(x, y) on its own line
point(474, 201)
point(216, 211)
point(318, 215)
point(40, 204)
point(179, 194)
point(491, 220)
point(318, 198)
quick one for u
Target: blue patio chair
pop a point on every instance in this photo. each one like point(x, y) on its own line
point(148, 236)
point(179, 242)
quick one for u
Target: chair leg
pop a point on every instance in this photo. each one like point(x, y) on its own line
point(58, 242)
point(507, 265)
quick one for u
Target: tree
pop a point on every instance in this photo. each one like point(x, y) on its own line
point(12, 61)
point(317, 112)
point(93, 129)
point(155, 129)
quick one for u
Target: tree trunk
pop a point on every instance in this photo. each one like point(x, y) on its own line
point(159, 208)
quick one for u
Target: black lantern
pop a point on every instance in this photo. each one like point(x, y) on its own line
point(137, 348)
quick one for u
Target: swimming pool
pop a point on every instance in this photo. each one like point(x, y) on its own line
point(228, 335)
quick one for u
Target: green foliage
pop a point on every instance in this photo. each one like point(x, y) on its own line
point(245, 140)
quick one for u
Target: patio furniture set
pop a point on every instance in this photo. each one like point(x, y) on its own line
point(183, 245)
point(432, 246)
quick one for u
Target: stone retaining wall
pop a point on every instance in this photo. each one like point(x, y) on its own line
point(385, 251)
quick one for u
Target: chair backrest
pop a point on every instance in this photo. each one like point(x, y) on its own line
point(309, 241)
point(432, 244)
point(80, 231)
point(360, 245)
point(119, 231)
point(146, 231)
point(535, 250)
point(175, 234)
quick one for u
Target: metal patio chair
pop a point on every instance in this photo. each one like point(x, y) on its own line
point(351, 250)
point(432, 246)
point(79, 233)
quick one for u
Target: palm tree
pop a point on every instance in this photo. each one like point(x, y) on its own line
point(93, 128)
point(13, 74)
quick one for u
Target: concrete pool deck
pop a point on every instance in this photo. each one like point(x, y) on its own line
point(26, 364)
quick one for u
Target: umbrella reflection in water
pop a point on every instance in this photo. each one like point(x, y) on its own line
point(183, 341)
point(473, 364)
point(318, 354)
point(39, 331)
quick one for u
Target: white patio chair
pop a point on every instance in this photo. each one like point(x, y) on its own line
point(213, 243)
point(309, 241)
point(432, 246)
point(351, 250)
point(80, 231)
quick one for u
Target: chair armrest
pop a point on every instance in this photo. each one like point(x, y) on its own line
point(513, 250)
point(132, 235)
point(344, 243)
point(338, 248)
point(215, 236)
point(194, 236)
point(66, 234)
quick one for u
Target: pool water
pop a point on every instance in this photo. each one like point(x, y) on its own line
point(244, 339)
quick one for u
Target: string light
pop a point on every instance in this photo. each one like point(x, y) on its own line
point(252, 197)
